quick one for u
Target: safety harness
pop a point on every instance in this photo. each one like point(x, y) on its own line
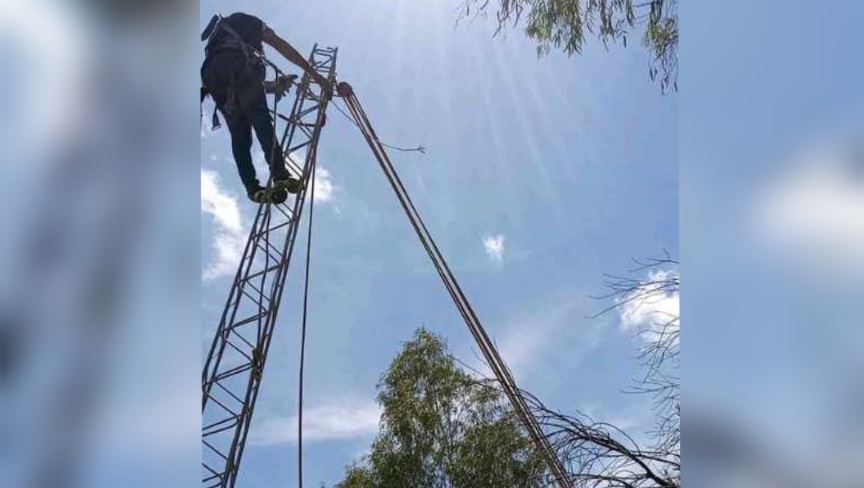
point(232, 42)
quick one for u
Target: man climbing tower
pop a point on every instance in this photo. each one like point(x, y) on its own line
point(233, 75)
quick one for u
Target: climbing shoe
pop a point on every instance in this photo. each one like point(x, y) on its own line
point(274, 196)
point(292, 185)
point(278, 195)
point(258, 195)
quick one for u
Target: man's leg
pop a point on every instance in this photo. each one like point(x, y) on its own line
point(254, 104)
point(218, 74)
point(241, 147)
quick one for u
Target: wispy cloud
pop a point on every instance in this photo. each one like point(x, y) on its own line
point(813, 212)
point(523, 344)
point(228, 237)
point(551, 332)
point(494, 247)
point(347, 420)
point(650, 308)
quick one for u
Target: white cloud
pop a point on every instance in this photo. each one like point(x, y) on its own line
point(325, 190)
point(813, 213)
point(494, 247)
point(650, 308)
point(348, 420)
point(324, 187)
point(229, 236)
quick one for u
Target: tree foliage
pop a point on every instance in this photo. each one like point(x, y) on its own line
point(563, 24)
point(441, 428)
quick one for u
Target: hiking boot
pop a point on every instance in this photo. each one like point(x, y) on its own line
point(274, 196)
point(278, 195)
point(292, 185)
point(258, 195)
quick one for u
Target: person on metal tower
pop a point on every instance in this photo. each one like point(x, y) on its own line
point(233, 75)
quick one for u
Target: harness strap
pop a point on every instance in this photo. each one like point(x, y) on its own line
point(217, 23)
point(239, 43)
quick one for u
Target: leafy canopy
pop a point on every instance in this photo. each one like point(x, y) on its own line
point(441, 428)
point(562, 24)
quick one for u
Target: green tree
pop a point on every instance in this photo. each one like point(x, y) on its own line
point(442, 428)
point(563, 24)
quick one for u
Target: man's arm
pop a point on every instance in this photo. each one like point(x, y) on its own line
point(291, 54)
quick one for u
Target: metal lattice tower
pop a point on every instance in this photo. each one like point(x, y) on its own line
point(235, 363)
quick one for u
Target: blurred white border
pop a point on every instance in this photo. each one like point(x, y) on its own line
point(53, 41)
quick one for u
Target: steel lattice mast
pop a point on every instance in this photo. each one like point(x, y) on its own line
point(235, 363)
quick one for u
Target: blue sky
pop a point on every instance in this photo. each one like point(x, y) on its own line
point(565, 167)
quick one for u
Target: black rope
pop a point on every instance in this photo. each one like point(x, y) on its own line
point(420, 149)
point(275, 112)
point(303, 326)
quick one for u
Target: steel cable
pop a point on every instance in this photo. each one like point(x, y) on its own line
point(487, 347)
